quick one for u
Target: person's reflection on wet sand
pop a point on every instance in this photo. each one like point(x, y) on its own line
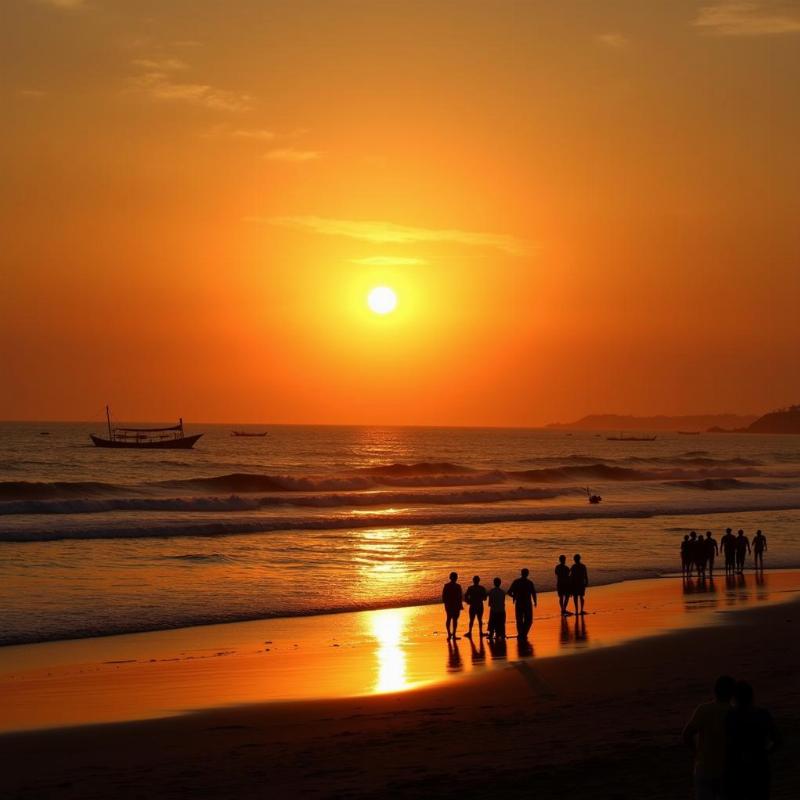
point(581, 636)
point(498, 649)
point(453, 657)
point(524, 648)
point(478, 653)
point(565, 635)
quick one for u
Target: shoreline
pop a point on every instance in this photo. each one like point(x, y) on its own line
point(606, 725)
point(347, 655)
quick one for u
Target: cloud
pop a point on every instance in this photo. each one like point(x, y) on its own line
point(291, 155)
point(160, 64)
point(765, 18)
point(388, 232)
point(388, 261)
point(65, 5)
point(615, 41)
point(34, 93)
point(159, 85)
point(258, 134)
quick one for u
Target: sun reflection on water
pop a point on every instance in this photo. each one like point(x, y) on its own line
point(388, 627)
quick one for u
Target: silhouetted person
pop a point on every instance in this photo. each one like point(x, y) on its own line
point(497, 611)
point(742, 549)
point(712, 551)
point(697, 549)
point(706, 734)
point(563, 585)
point(685, 559)
point(475, 596)
point(759, 546)
point(453, 599)
point(751, 737)
point(579, 580)
point(523, 593)
point(728, 543)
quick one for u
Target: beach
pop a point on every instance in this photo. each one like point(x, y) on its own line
point(597, 707)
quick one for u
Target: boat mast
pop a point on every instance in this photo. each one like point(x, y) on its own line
point(108, 419)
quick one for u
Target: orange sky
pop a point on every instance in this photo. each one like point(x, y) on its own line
point(583, 207)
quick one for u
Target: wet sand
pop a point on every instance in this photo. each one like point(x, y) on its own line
point(598, 706)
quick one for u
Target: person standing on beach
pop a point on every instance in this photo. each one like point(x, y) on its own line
point(475, 596)
point(563, 585)
point(579, 580)
point(453, 599)
point(712, 551)
point(523, 593)
point(497, 612)
point(685, 560)
point(751, 737)
point(706, 734)
point(759, 546)
point(697, 550)
point(742, 549)
point(728, 543)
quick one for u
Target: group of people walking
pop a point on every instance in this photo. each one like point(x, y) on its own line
point(699, 553)
point(570, 582)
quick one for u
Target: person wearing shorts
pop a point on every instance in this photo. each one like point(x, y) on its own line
point(453, 599)
point(475, 596)
point(563, 586)
point(579, 578)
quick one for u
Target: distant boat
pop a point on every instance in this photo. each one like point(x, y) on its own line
point(622, 438)
point(171, 438)
point(689, 433)
point(44, 433)
point(248, 433)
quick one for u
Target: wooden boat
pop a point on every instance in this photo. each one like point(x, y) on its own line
point(247, 433)
point(170, 438)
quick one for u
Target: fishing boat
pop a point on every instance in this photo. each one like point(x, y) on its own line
point(250, 434)
point(622, 438)
point(170, 438)
point(689, 433)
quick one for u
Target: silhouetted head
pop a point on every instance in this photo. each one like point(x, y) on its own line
point(741, 532)
point(454, 576)
point(525, 572)
point(693, 534)
point(758, 532)
point(577, 558)
point(562, 559)
point(686, 538)
point(743, 694)
point(728, 530)
point(497, 582)
point(723, 688)
point(476, 579)
point(708, 534)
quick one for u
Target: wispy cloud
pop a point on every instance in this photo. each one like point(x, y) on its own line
point(293, 155)
point(765, 18)
point(616, 41)
point(388, 261)
point(160, 64)
point(158, 82)
point(388, 232)
point(66, 5)
point(33, 93)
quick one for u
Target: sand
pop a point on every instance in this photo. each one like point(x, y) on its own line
point(600, 715)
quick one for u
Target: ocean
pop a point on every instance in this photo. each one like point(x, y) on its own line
point(313, 519)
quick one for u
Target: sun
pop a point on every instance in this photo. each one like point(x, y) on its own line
point(382, 300)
